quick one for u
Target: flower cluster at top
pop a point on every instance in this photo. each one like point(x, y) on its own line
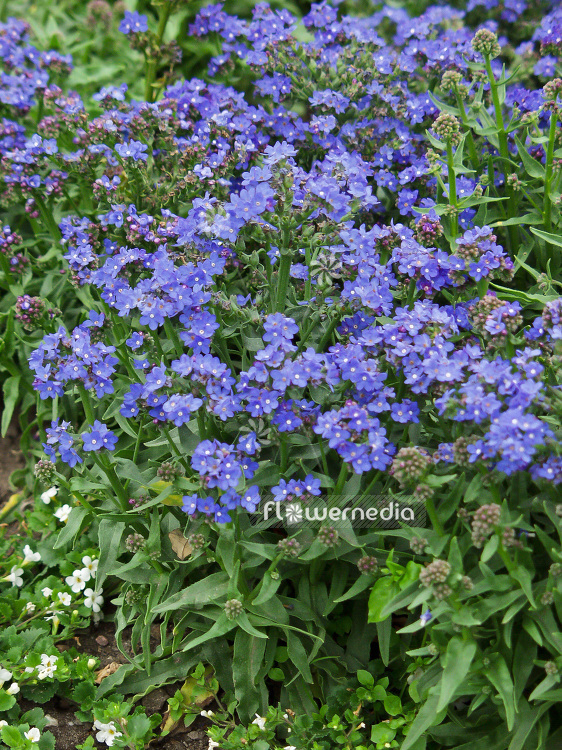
point(267, 280)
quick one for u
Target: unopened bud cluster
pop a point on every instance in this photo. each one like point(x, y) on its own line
point(410, 465)
point(550, 668)
point(168, 471)
point(484, 520)
point(328, 536)
point(434, 572)
point(486, 42)
point(44, 470)
point(289, 547)
point(367, 565)
point(435, 575)
point(197, 541)
point(30, 311)
point(448, 128)
point(418, 545)
point(552, 90)
point(135, 542)
point(134, 596)
point(233, 608)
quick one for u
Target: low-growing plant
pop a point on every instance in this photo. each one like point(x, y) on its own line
point(338, 286)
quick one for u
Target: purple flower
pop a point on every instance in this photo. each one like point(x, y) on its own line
point(99, 437)
point(134, 150)
point(133, 23)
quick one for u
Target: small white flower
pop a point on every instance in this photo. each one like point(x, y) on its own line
point(289, 747)
point(30, 607)
point(3, 723)
point(93, 599)
point(91, 564)
point(212, 744)
point(47, 591)
point(30, 555)
point(44, 672)
point(91, 663)
point(54, 616)
point(33, 734)
point(47, 496)
point(65, 598)
point(78, 580)
point(260, 721)
point(14, 576)
point(5, 675)
point(107, 732)
point(207, 714)
point(13, 689)
point(29, 669)
point(63, 512)
point(49, 660)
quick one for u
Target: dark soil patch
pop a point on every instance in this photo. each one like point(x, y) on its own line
point(11, 458)
point(99, 640)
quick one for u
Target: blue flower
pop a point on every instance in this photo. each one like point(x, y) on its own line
point(133, 23)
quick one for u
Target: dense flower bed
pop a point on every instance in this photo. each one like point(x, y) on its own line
point(327, 271)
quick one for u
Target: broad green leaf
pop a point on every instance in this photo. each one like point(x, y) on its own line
point(77, 518)
point(456, 665)
point(500, 677)
point(246, 663)
point(11, 393)
point(384, 591)
point(210, 589)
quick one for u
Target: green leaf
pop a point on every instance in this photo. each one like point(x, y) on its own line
point(11, 396)
point(384, 591)
point(552, 239)
point(298, 655)
point(530, 218)
point(500, 677)
point(6, 701)
point(365, 678)
point(532, 166)
point(268, 589)
point(210, 589)
point(382, 734)
point(246, 663)
point(78, 516)
point(427, 716)
point(244, 622)
point(12, 737)
point(384, 631)
point(163, 672)
point(524, 578)
point(456, 665)
point(393, 705)
point(221, 627)
point(109, 534)
point(549, 681)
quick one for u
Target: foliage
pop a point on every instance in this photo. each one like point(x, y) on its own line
point(321, 276)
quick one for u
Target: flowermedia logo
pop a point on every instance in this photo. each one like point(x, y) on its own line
point(379, 511)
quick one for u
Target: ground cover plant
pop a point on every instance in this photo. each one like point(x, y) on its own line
point(322, 272)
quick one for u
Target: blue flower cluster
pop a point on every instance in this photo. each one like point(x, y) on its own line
point(282, 281)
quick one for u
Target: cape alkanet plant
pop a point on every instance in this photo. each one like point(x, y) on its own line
point(341, 282)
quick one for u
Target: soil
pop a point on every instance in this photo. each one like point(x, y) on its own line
point(11, 459)
point(98, 640)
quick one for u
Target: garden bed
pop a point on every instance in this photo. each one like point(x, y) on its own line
point(281, 367)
